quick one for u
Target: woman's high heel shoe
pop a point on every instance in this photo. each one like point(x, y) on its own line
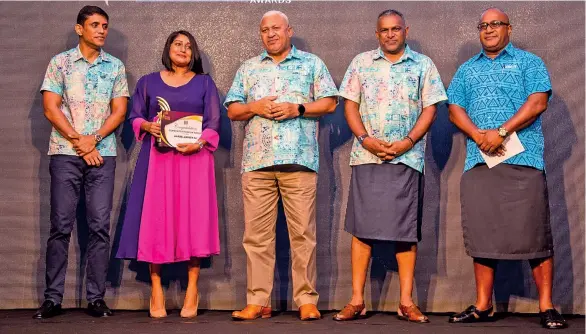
point(158, 314)
point(185, 313)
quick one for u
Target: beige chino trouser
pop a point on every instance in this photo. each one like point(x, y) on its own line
point(261, 193)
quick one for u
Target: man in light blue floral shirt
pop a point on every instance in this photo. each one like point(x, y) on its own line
point(84, 98)
point(391, 96)
point(280, 95)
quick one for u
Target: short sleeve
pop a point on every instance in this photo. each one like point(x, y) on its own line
point(120, 88)
point(457, 89)
point(433, 90)
point(323, 84)
point(53, 81)
point(536, 77)
point(350, 87)
point(237, 92)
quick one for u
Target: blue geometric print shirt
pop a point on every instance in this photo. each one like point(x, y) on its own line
point(492, 91)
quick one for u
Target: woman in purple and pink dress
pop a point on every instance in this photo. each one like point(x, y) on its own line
point(172, 214)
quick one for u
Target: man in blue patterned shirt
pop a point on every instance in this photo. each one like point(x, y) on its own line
point(280, 94)
point(84, 97)
point(505, 211)
point(391, 97)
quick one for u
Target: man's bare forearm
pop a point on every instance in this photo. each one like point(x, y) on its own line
point(53, 113)
point(118, 115)
point(423, 123)
point(238, 111)
point(323, 106)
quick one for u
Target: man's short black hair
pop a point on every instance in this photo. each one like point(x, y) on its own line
point(88, 11)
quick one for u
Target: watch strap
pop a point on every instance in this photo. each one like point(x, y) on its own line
point(361, 138)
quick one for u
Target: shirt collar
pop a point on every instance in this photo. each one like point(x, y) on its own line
point(407, 54)
point(509, 49)
point(293, 53)
point(77, 55)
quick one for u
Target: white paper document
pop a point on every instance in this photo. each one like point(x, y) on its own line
point(513, 146)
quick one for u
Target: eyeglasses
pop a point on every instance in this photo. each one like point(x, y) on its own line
point(492, 24)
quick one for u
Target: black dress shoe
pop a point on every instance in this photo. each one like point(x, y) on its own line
point(99, 309)
point(47, 310)
point(472, 314)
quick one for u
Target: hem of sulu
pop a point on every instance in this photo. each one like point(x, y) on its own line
point(142, 259)
point(378, 238)
point(525, 256)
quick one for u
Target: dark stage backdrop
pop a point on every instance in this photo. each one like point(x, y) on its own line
point(227, 33)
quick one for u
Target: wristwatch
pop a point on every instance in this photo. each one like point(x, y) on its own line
point(200, 143)
point(503, 132)
point(361, 138)
point(98, 137)
point(301, 109)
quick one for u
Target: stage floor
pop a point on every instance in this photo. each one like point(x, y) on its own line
point(212, 322)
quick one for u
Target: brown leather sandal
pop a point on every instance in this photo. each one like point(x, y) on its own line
point(412, 314)
point(351, 312)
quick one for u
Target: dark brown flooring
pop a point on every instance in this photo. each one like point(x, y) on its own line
point(212, 322)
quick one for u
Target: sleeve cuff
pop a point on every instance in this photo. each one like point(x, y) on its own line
point(349, 97)
point(52, 90)
point(212, 138)
point(439, 100)
point(230, 101)
point(456, 103)
point(138, 133)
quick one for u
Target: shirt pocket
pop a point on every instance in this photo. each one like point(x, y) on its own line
point(299, 82)
point(513, 77)
point(260, 83)
point(105, 86)
point(410, 85)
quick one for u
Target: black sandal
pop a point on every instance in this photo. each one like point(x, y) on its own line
point(472, 314)
point(551, 319)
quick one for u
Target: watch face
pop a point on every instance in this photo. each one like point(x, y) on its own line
point(301, 109)
point(502, 132)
